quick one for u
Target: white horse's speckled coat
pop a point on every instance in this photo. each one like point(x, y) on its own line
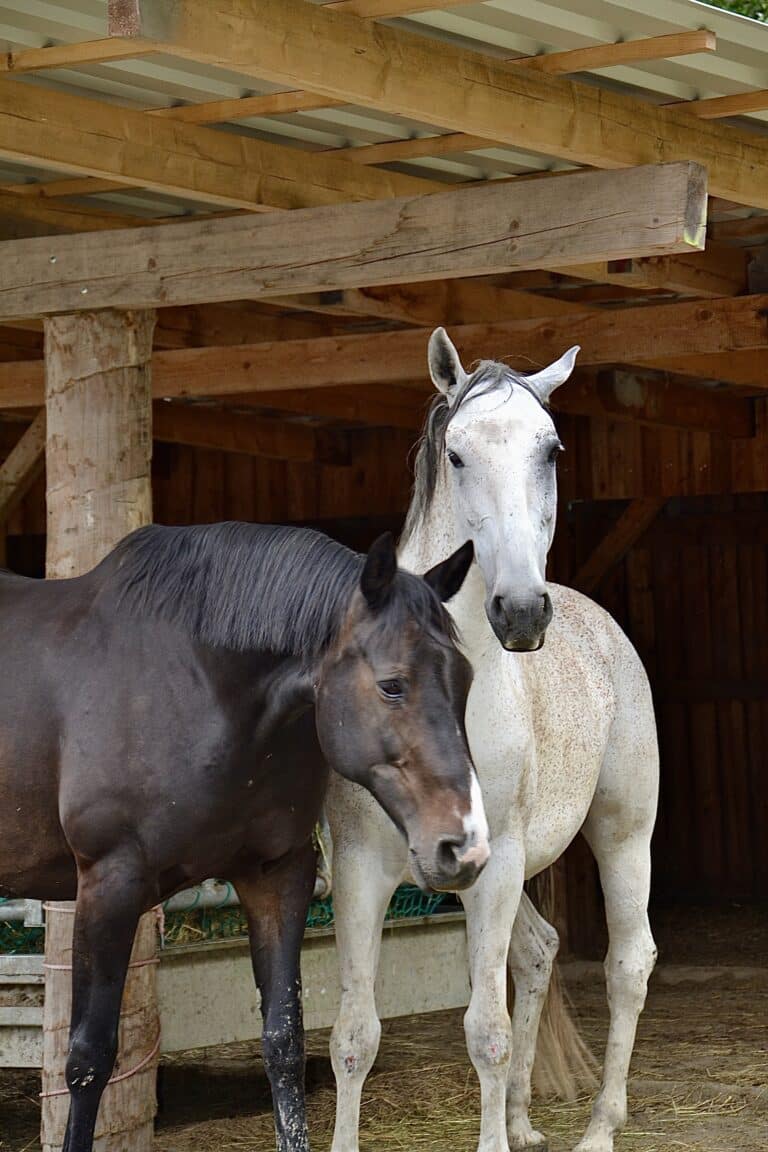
point(562, 739)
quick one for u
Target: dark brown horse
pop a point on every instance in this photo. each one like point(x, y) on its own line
point(161, 721)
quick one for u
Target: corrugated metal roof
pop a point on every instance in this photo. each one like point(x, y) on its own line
point(497, 27)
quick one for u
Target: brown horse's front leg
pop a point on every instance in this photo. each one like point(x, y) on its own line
point(111, 896)
point(276, 902)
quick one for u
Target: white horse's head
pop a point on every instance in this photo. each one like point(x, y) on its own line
point(498, 449)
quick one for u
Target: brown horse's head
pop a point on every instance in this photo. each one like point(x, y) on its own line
point(391, 696)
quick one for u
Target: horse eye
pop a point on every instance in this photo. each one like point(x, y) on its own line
point(455, 460)
point(392, 689)
point(554, 452)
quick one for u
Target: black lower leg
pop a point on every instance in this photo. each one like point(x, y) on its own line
point(276, 903)
point(109, 904)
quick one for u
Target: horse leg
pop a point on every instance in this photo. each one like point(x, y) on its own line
point(491, 906)
point(276, 901)
point(532, 953)
point(362, 888)
point(625, 874)
point(111, 896)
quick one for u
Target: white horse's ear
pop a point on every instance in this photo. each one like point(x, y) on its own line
point(544, 383)
point(444, 364)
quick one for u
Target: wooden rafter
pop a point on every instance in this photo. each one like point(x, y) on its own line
point(72, 55)
point(96, 139)
point(21, 467)
point(719, 106)
point(633, 522)
point(451, 88)
point(623, 52)
point(227, 431)
point(467, 232)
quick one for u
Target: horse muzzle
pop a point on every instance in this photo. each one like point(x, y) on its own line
point(455, 864)
point(520, 626)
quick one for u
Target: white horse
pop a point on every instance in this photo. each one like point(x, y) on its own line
point(562, 740)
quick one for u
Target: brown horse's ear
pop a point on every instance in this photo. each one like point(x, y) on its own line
point(379, 570)
point(447, 578)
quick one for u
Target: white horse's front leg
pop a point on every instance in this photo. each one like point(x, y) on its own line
point(491, 906)
point(365, 874)
point(625, 874)
point(532, 954)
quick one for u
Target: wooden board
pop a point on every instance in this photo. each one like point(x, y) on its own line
point(93, 138)
point(486, 229)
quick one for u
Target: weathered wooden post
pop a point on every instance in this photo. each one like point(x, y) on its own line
point(98, 452)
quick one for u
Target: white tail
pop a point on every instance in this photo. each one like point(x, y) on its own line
point(565, 1066)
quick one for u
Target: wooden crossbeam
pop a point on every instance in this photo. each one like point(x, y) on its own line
point(386, 9)
point(633, 522)
point(73, 55)
point(719, 106)
point(92, 138)
point(717, 271)
point(226, 431)
point(21, 467)
point(446, 86)
point(413, 149)
point(718, 339)
point(623, 52)
point(467, 232)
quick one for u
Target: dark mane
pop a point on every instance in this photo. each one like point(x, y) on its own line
point(489, 375)
point(253, 587)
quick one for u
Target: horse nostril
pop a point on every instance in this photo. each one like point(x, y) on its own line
point(449, 852)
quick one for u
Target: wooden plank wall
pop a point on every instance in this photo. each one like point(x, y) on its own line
point(692, 597)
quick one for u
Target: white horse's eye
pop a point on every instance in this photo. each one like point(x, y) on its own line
point(456, 461)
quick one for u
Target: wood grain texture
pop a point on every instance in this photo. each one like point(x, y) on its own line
point(297, 45)
point(628, 529)
point(623, 52)
point(92, 138)
point(21, 467)
point(98, 453)
point(466, 232)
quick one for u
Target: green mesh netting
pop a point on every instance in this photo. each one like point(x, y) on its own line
point(198, 925)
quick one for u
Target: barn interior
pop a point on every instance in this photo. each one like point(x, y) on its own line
point(300, 400)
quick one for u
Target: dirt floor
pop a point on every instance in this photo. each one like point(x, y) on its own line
point(699, 1075)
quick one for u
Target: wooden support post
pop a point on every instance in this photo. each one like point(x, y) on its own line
point(630, 526)
point(99, 445)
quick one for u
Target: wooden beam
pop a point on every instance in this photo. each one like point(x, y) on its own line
point(386, 9)
point(21, 467)
point(719, 106)
point(722, 339)
point(717, 271)
point(633, 522)
point(227, 431)
point(296, 44)
point(466, 232)
point(97, 139)
point(387, 406)
point(623, 52)
point(65, 217)
point(412, 149)
point(222, 111)
point(73, 55)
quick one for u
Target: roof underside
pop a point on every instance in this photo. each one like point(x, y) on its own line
point(501, 28)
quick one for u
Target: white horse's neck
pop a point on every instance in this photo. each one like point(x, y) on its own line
point(432, 539)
